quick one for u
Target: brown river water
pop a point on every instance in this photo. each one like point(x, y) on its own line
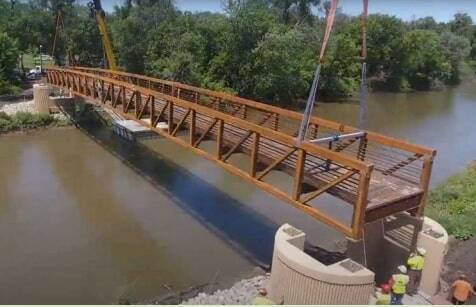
point(88, 218)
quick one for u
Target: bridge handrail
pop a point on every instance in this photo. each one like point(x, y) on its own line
point(371, 136)
point(264, 131)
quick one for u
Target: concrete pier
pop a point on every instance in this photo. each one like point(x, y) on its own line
point(299, 279)
point(41, 97)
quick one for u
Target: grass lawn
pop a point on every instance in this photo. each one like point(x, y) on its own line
point(453, 204)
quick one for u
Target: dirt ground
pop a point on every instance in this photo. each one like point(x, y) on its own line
point(461, 258)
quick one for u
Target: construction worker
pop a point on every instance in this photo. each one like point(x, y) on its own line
point(415, 265)
point(383, 295)
point(462, 290)
point(399, 284)
point(261, 299)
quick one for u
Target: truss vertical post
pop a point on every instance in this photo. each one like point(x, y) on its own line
point(219, 139)
point(361, 205)
point(425, 182)
point(192, 126)
point(298, 177)
point(254, 155)
point(171, 117)
point(152, 110)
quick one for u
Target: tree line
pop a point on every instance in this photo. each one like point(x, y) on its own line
point(261, 49)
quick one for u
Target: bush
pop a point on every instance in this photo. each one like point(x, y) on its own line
point(24, 121)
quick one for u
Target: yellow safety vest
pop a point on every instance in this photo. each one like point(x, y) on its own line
point(416, 263)
point(400, 283)
point(383, 299)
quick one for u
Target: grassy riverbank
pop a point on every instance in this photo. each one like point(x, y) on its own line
point(453, 204)
point(23, 121)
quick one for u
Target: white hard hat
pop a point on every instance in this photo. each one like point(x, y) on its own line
point(402, 269)
point(421, 251)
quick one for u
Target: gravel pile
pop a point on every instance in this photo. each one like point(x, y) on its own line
point(242, 293)
point(13, 108)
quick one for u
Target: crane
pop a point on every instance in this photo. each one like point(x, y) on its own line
point(98, 13)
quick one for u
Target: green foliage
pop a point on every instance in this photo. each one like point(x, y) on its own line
point(385, 37)
point(8, 60)
point(341, 69)
point(24, 121)
point(453, 204)
point(8, 55)
point(455, 48)
point(261, 49)
point(282, 66)
point(423, 62)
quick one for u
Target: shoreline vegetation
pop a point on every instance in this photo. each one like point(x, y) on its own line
point(453, 204)
point(26, 121)
point(259, 49)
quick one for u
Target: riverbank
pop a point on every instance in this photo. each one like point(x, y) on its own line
point(22, 116)
point(242, 293)
point(453, 204)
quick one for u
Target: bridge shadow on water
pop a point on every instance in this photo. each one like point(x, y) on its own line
point(248, 232)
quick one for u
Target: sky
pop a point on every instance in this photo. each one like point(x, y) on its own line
point(441, 10)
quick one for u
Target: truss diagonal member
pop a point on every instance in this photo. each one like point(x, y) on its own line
point(402, 164)
point(236, 109)
point(326, 187)
point(180, 123)
point(275, 163)
point(235, 147)
point(116, 98)
point(161, 112)
point(104, 98)
point(131, 99)
point(209, 128)
point(265, 119)
point(144, 107)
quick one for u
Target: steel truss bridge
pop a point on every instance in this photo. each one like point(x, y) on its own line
point(375, 174)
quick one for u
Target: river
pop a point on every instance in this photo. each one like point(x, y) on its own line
point(88, 218)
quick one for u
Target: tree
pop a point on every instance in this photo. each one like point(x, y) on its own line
point(424, 63)
point(456, 49)
point(340, 72)
point(462, 25)
point(283, 66)
point(385, 35)
point(300, 10)
point(248, 24)
point(8, 61)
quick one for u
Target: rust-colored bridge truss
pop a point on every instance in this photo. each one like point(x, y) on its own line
point(377, 175)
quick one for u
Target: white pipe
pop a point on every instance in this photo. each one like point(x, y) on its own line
point(337, 137)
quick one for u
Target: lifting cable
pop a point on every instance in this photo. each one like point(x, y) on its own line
point(363, 94)
point(363, 79)
point(315, 84)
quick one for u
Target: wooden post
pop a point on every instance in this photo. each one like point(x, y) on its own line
point(425, 182)
point(152, 110)
point(297, 188)
point(137, 104)
point(192, 126)
point(254, 155)
point(361, 205)
point(123, 98)
point(171, 117)
point(219, 139)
